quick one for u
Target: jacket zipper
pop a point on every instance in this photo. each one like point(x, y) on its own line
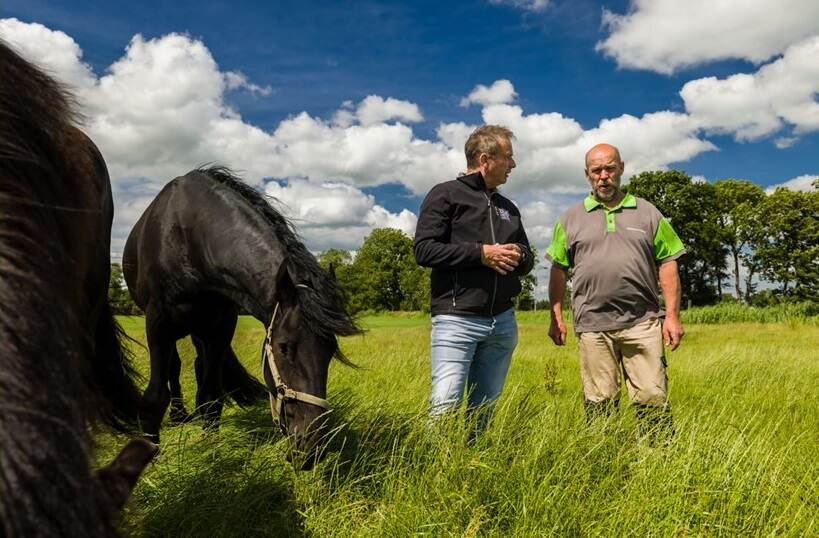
point(455, 289)
point(494, 242)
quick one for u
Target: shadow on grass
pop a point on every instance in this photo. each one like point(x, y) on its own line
point(362, 438)
point(231, 482)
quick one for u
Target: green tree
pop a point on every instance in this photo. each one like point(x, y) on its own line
point(334, 258)
point(526, 298)
point(339, 262)
point(118, 295)
point(693, 210)
point(387, 277)
point(416, 286)
point(739, 201)
point(787, 248)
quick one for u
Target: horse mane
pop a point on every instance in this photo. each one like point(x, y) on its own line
point(322, 302)
point(55, 379)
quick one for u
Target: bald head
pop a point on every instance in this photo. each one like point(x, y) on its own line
point(603, 150)
point(603, 170)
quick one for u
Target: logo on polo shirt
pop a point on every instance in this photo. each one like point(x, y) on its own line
point(503, 213)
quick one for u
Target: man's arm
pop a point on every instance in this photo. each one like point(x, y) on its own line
point(670, 285)
point(557, 290)
point(526, 261)
point(431, 246)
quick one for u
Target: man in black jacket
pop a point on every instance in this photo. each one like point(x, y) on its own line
point(473, 239)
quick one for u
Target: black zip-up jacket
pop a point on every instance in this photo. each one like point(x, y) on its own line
point(456, 219)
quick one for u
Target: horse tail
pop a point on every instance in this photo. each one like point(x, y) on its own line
point(242, 387)
point(114, 373)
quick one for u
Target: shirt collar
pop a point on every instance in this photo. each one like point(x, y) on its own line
point(476, 181)
point(591, 203)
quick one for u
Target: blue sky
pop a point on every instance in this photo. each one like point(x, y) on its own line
point(573, 73)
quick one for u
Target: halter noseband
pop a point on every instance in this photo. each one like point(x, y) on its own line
point(281, 393)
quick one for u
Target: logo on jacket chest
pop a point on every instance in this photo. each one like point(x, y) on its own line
point(503, 214)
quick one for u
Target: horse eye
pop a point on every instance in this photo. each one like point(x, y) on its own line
point(283, 348)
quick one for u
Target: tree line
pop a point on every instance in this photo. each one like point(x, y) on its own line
point(732, 224)
point(725, 226)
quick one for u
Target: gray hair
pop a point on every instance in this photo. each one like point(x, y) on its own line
point(485, 139)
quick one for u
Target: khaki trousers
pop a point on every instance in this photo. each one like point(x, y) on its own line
point(636, 351)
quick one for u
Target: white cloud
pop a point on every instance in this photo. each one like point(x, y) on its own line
point(801, 183)
point(550, 148)
point(454, 134)
point(160, 110)
point(237, 81)
point(667, 35)
point(131, 196)
point(784, 142)
point(374, 109)
point(334, 214)
point(751, 106)
point(500, 92)
point(52, 50)
point(526, 5)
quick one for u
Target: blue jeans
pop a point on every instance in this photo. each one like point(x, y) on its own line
point(472, 353)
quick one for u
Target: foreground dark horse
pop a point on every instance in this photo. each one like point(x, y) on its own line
point(61, 365)
point(206, 246)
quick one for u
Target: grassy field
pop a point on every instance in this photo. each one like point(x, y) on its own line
point(745, 461)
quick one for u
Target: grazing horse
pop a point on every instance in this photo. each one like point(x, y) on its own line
point(206, 247)
point(62, 368)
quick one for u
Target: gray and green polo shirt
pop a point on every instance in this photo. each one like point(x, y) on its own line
point(614, 254)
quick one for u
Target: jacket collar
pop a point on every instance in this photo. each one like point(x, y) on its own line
point(591, 203)
point(474, 180)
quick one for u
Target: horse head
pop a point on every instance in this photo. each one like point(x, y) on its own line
point(297, 359)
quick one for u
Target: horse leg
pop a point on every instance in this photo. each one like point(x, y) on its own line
point(197, 363)
point(178, 414)
point(197, 368)
point(237, 382)
point(215, 342)
point(157, 396)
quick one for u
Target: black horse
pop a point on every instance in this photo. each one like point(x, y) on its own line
point(206, 247)
point(62, 368)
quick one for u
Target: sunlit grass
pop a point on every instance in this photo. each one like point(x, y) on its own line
point(745, 461)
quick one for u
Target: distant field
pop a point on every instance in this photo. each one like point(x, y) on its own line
point(745, 461)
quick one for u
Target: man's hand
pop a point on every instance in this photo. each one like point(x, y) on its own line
point(672, 332)
point(557, 331)
point(501, 258)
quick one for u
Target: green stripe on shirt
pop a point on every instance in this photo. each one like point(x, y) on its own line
point(558, 251)
point(666, 241)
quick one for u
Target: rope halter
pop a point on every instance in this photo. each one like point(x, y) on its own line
point(280, 393)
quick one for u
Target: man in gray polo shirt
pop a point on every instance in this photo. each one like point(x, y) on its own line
point(617, 245)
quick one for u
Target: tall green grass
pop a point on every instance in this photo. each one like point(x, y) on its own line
point(733, 313)
point(745, 461)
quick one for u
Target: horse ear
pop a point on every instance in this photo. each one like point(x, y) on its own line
point(332, 271)
point(285, 287)
point(119, 477)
